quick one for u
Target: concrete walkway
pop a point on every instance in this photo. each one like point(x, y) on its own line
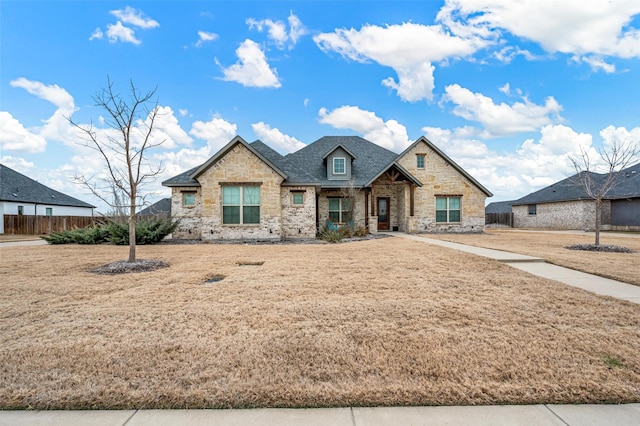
point(537, 266)
point(512, 415)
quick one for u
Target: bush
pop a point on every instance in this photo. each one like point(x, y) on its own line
point(148, 231)
point(335, 233)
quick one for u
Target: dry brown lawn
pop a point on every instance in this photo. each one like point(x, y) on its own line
point(551, 247)
point(379, 322)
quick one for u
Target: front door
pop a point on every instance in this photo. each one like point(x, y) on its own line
point(383, 213)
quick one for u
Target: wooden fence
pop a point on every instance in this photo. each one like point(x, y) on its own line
point(499, 219)
point(39, 225)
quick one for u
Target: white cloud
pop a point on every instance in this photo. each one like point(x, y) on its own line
point(183, 112)
point(217, 132)
point(14, 137)
point(252, 69)
point(52, 93)
point(167, 130)
point(599, 27)
point(501, 119)
point(408, 48)
point(97, 34)
point(131, 16)
point(118, 32)
point(596, 63)
point(274, 137)
point(388, 134)
point(204, 36)
point(277, 30)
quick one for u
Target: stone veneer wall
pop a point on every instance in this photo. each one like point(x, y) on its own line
point(239, 165)
point(439, 178)
point(189, 227)
point(562, 215)
point(298, 221)
point(323, 207)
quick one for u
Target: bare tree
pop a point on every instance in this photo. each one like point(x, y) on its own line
point(618, 156)
point(123, 146)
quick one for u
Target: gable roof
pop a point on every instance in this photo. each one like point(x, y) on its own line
point(16, 187)
point(499, 207)
point(159, 207)
point(369, 159)
point(236, 140)
point(570, 189)
point(446, 158)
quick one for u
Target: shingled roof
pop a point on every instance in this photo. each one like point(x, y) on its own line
point(570, 189)
point(18, 188)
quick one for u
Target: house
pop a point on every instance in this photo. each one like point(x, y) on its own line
point(249, 191)
point(20, 195)
point(566, 205)
point(161, 208)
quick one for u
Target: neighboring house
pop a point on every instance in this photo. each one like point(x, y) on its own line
point(566, 205)
point(160, 208)
point(20, 195)
point(249, 191)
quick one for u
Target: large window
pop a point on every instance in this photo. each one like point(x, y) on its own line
point(339, 166)
point(447, 209)
point(340, 210)
point(240, 205)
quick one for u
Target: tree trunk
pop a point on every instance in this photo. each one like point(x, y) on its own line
point(598, 219)
point(132, 231)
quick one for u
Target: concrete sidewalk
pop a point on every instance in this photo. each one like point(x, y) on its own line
point(515, 415)
point(537, 266)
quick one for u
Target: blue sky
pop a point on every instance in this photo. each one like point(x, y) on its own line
point(507, 89)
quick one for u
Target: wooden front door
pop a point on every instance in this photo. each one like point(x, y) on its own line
point(383, 213)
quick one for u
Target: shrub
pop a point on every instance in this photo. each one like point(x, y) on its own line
point(148, 231)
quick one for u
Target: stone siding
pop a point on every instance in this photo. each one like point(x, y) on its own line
point(323, 207)
point(298, 221)
point(562, 215)
point(189, 216)
point(238, 165)
point(439, 178)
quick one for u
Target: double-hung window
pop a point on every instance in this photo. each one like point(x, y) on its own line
point(420, 161)
point(447, 209)
point(532, 209)
point(339, 166)
point(48, 211)
point(340, 210)
point(240, 205)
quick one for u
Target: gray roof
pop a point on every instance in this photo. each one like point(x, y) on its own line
point(159, 207)
point(370, 160)
point(570, 189)
point(499, 207)
point(307, 166)
point(19, 188)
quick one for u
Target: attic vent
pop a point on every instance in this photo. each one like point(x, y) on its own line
point(15, 195)
point(53, 196)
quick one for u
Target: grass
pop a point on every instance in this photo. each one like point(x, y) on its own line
point(379, 322)
point(552, 248)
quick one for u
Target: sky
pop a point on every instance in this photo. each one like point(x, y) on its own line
point(507, 89)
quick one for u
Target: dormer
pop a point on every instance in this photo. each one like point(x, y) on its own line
point(338, 162)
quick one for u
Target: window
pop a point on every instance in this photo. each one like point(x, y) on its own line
point(340, 210)
point(240, 205)
point(48, 211)
point(532, 209)
point(339, 166)
point(297, 198)
point(20, 210)
point(447, 209)
point(420, 161)
point(188, 199)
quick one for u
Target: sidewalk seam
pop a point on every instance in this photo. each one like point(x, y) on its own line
point(353, 417)
point(130, 417)
point(555, 414)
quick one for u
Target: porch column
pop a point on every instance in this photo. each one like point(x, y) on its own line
point(412, 190)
